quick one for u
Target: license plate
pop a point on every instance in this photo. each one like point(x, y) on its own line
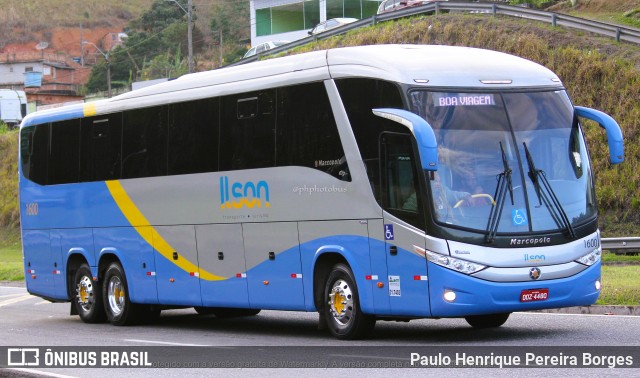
point(534, 295)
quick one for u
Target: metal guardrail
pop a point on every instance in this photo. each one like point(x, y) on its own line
point(618, 32)
point(630, 244)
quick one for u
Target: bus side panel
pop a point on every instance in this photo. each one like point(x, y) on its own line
point(136, 257)
point(378, 256)
point(274, 272)
point(80, 240)
point(38, 262)
point(349, 239)
point(221, 252)
point(177, 286)
point(408, 285)
point(59, 267)
point(476, 297)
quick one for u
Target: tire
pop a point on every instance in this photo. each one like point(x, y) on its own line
point(115, 293)
point(343, 315)
point(88, 296)
point(487, 321)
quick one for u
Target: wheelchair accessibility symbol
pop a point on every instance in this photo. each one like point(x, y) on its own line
point(388, 232)
point(519, 217)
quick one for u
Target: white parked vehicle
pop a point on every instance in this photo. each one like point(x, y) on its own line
point(13, 106)
point(331, 24)
point(264, 47)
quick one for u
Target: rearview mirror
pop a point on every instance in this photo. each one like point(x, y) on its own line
point(614, 134)
point(421, 130)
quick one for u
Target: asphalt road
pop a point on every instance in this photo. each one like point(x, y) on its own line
point(291, 340)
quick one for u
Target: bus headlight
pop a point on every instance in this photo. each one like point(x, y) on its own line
point(459, 265)
point(591, 257)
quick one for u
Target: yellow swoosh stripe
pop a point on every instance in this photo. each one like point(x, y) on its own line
point(89, 109)
point(142, 225)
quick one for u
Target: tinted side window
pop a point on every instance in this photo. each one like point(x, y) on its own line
point(359, 96)
point(144, 142)
point(307, 132)
point(193, 136)
point(34, 144)
point(247, 130)
point(64, 155)
point(100, 151)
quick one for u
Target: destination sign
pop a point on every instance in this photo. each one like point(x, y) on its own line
point(461, 99)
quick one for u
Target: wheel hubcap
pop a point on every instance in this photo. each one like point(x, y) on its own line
point(116, 295)
point(84, 293)
point(341, 302)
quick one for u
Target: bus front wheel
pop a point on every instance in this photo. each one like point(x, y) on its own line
point(342, 311)
point(487, 321)
point(119, 309)
point(88, 296)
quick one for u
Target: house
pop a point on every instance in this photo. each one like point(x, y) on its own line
point(46, 78)
point(289, 20)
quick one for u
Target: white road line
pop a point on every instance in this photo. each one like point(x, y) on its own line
point(16, 300)
point(42, 302)
point(12, 287)
point(164, 343)
point(43, 373)
point(10, 295)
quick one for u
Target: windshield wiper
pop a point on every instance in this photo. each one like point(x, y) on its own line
point(551, 201)
point(500, 195)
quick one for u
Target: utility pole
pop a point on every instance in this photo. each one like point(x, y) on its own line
point(189, 13)
point(219, 32)
point(106, 57)
point(81, 47)
point(190, 33)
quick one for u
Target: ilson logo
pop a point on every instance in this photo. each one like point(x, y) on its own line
point(237, 195)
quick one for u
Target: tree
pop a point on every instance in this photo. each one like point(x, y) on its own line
point(154, 34)
point(232, 18)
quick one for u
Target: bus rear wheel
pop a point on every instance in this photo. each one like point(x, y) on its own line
point(487, 321)
point(88, 296)
point(342, 311)
point(119, 309)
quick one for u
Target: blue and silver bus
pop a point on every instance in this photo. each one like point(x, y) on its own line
point(389, 182)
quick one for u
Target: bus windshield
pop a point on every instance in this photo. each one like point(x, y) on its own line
point(509, 162)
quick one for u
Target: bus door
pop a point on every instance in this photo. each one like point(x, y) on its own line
point(403, 219)
point(274, 271)
point(221, 253)
point(177, 275)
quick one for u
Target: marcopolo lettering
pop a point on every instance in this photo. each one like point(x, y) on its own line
point(238, 195)
point(530, 241)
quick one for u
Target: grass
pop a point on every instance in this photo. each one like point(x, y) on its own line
point(620, 286)
point(609, 257)
point(11, 267)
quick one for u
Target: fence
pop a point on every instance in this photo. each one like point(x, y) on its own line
point(621, 245)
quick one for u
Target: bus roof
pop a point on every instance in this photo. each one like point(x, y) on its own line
point(417, 65)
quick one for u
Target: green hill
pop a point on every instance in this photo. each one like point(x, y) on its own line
point(597, 72)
